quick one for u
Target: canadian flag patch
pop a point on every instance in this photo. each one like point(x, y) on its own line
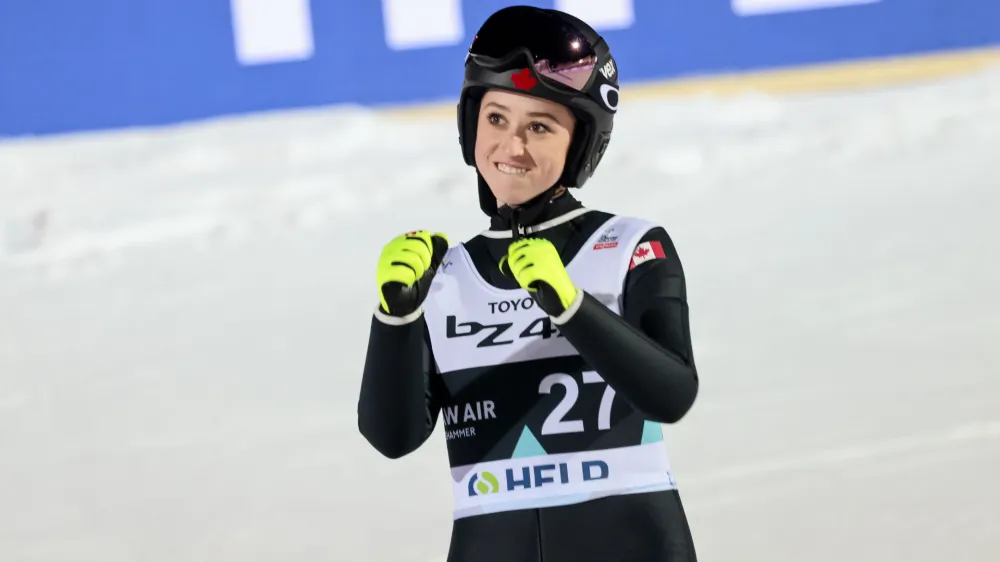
point(646, 251)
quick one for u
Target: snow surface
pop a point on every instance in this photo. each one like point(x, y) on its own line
point(183, 316)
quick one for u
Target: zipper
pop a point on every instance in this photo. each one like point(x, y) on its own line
point(515, 224)
point(538, 525)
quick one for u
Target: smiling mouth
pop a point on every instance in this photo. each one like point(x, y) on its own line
point(511, 170)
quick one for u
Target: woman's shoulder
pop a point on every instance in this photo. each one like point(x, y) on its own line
point(629, 223)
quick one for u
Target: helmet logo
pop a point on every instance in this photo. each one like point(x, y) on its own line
point(610, 96)
point(608, 70)
point(523, 80)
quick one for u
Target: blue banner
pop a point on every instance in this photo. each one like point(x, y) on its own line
point(75, 65)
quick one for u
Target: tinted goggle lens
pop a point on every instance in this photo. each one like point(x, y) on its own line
point(560, 52)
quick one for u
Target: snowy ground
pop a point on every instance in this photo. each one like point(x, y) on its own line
point(183, 317)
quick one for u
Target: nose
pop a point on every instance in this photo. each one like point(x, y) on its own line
point(513, 144)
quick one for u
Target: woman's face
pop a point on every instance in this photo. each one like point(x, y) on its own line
point(521, 144)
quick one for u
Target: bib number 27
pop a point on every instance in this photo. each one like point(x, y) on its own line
point(556, 422)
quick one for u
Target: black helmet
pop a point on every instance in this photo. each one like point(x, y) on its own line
point(548, 54)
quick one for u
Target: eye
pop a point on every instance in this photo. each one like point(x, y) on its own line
point(495, 118)
point(539, 128)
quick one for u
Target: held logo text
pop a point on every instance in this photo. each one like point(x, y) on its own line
point(536, 476)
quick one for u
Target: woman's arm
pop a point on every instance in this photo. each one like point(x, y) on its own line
point(396, 409)
point(645, 354)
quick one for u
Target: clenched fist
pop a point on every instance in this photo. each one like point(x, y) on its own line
point(405, 269)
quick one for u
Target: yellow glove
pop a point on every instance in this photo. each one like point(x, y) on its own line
point(537, 267)
point(405, 269)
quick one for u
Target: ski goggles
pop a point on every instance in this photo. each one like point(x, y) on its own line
point(560, 51)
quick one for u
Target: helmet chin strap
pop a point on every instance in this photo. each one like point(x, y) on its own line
point(527, 212)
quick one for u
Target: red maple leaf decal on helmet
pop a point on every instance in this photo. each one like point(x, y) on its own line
point(523, 80)
point(641, 252)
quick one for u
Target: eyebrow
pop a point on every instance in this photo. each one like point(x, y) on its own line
point(532, 114)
